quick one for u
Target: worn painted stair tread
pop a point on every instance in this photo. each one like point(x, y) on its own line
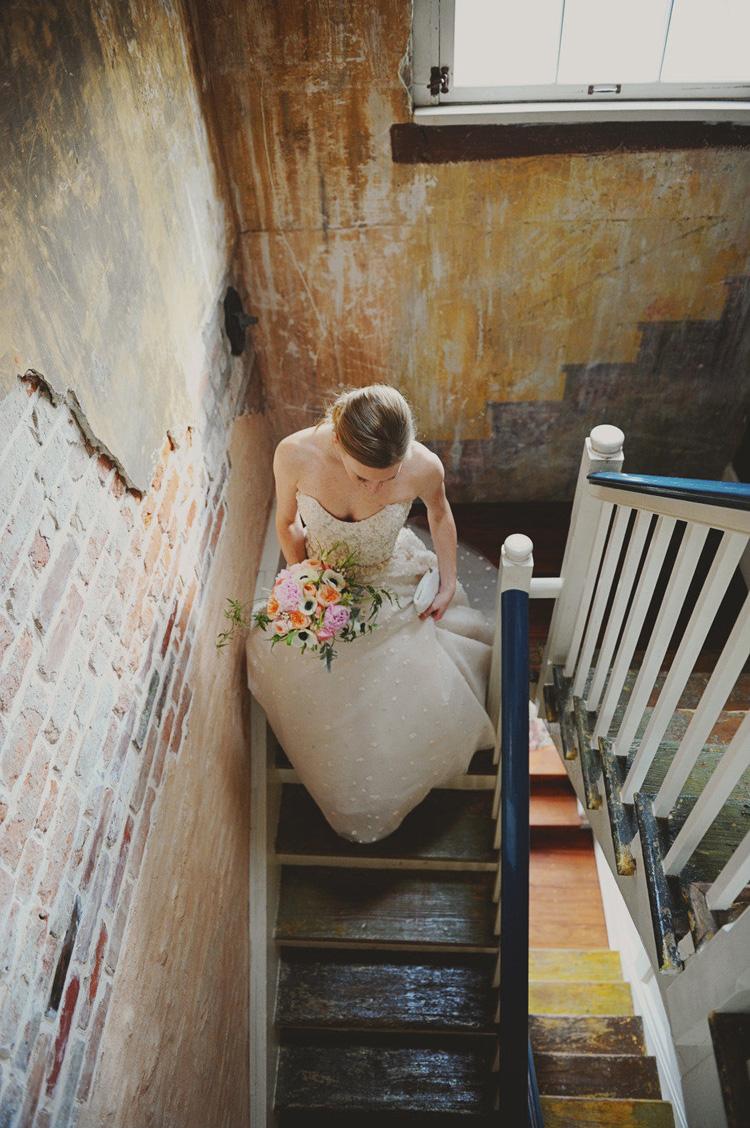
point(394, 990)
point(377, 1078)
point(596, 1034)
point(587, 1112)
point(448, 825)
point(599, 964)
point(334, 905)
point(691, 694)
point(481, 762)
point(579, 998)
point(597, 1075)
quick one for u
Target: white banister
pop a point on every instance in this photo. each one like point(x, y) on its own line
point(733, 878)
point(725, 777)
point(679, 582)
point(589, 583)
point(654, 559)
point(603, 589)
point(725, 674)
point(625, 585)
point(707, 604)
point(603, 450)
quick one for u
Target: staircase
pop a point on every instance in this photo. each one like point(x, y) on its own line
point(376, 995)
point(386, 1005)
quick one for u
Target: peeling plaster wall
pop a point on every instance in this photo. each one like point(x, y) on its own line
point(114, 233)
point(473, 286)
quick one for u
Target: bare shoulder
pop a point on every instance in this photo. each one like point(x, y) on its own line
point(294, 450)
point(428, 473)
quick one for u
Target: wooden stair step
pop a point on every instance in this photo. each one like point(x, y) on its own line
point(391, 990)
point(545, 763)
point(447, 827)
point(720, 840)
point(327, 1118)
point(583, 1034)
point(364, 1078)
point(691, 694)
point(480, 774)
point(330, 905)
point(565, 905)
point(554, 809)
point(562, 964)
point(579, 998)
point(585, 1112)
point(597, 1075)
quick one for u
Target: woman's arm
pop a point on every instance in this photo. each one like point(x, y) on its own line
point(288, 524)
point(443, 531)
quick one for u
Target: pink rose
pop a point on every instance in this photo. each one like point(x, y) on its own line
point(336, 617)
point(325, 634)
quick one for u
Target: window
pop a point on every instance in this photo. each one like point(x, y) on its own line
point(600, 58)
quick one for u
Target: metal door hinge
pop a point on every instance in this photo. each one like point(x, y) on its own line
point(438, 83)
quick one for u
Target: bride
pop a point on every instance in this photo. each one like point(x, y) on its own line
point(402, 709)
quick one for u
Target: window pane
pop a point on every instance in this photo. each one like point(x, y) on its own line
point(709, 41)
point(613, 40)
point(506, 42)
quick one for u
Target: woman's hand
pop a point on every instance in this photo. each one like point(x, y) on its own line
point(440, 603)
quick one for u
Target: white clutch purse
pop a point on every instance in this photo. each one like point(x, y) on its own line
point(426, 590)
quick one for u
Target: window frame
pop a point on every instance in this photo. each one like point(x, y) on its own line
point(432, 45)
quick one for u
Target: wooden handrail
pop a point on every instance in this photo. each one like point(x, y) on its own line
point(730, 495)
point(519, 1097)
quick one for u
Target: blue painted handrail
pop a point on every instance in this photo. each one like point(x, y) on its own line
point(730, 495)
point(519, 1097)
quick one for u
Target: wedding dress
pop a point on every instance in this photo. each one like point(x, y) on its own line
point(402, 709)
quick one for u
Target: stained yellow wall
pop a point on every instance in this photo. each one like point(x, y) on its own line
point(115, 234)
point(466, 284)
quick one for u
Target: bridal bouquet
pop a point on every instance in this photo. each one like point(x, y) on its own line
point(314, 605)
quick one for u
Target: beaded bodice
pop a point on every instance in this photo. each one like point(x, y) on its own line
point(371, 540)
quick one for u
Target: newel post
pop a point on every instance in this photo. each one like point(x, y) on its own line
point(602, 450)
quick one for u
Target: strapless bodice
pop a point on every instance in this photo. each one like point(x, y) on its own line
point(371, 540)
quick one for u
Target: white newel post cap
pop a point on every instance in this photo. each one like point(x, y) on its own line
point(518, 548)
point(606, 439)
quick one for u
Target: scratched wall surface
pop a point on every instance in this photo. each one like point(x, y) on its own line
point(114, 234)
point(470, 285)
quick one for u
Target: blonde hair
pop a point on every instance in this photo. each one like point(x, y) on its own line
point(373, 424)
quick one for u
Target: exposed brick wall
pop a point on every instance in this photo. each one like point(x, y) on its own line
point(100, 593)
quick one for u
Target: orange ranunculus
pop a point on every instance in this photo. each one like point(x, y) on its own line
point(315, 564)
point(298, 620)
point(273, 605)
point(328, 595)
point(310, 590)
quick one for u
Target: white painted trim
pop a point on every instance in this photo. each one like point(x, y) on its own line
point(530, 113)
point(647, 999)
point(545, 587)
